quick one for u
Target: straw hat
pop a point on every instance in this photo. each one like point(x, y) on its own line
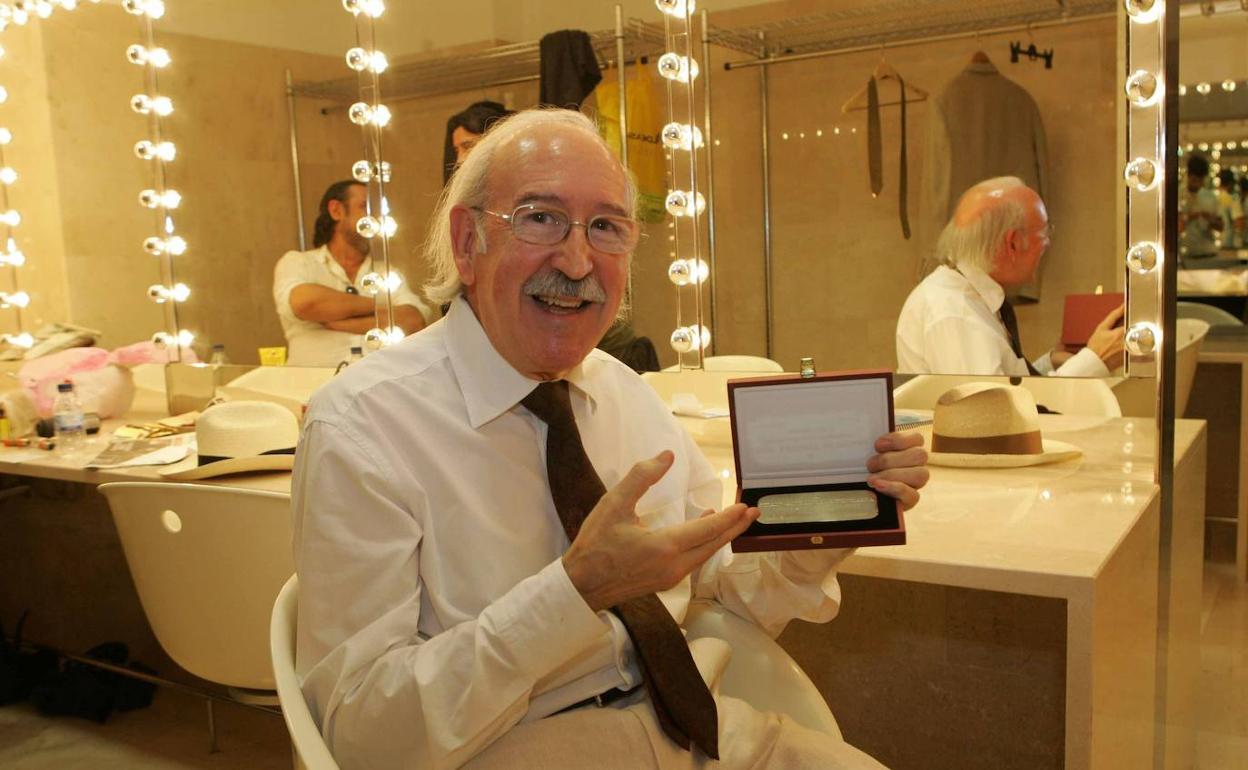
point(988, 425)
point(242, 436)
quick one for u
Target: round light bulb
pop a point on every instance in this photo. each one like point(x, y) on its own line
point(1182, 90)
point(378, 62)
point(383, 171)
point(134, 7)
point(1229, 85)
point(11, 218)
point(682, 339)
point(676, 136)
point(158, 58)
point(176, 246)
point(381, 116)
point(389, 227)
point(18, 299)
point(149, 199)
point(1143, 88)
point(679, 8)
point(4, 94)
point(372, 8)
point(43, 9)
point(20, 15)
point(1203, 146)
point(158, 294)
point(357, 59)
point(23, 340)
point(371, 284)
point(145, 150)
point(681, 204)
point(1203, 89)
point(360, 113)
point(1144, 257)
point(180, 292)
point(361, 171)
point(680, 272)
point(1141, 174)
point(162, 106)
point(368, 227)
point(1143, 339)
point(155, 9)
point(136, 54)
point(7, 175)
point(374, 339)
point(6, 136)
point(678, 68)
point(154, 246)
point(171, 199)
point(1143, 11)
point(351, 6)
point(141, 103)
point(166, 151)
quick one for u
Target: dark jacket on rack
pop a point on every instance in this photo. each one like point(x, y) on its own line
point(569, 68)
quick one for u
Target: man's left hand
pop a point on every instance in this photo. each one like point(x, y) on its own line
point(899, 469)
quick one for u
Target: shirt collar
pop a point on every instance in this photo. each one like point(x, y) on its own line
point(335, 269)
point(983, 284)
point(491, 386)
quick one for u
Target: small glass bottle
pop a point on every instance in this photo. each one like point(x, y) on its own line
point(67, 416)
point(218, 356)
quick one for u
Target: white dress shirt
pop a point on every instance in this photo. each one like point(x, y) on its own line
point(950, 325)
point(434, 609)
point(309, 343)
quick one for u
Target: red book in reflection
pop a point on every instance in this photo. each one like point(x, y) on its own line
point(1083, 312)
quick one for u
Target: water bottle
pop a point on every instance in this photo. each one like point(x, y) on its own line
point(67, 416)
point(218, 356)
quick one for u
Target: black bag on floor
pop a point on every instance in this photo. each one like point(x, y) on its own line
point(82, 690)
point(20, 671)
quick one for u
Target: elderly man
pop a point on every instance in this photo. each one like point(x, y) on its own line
point(318, 292)
point(498, 528)
point(958, 320)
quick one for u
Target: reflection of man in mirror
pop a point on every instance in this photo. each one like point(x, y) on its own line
point(490, 574)
point(1231, 210)
point(958, 320)
point(464, 130)
point(318, 292)
point(1199, 215)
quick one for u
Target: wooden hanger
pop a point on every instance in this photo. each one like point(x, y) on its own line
point(884, 71)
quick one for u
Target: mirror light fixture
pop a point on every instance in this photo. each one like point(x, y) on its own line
point(159, 152)
point(683, 142)
point(368, 62)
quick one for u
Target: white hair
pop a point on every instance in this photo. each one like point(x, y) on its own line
point(976, 243)
point(469, 187)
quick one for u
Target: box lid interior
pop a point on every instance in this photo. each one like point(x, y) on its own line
point(799, 433)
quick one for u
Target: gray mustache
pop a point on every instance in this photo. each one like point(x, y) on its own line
point(556, 284)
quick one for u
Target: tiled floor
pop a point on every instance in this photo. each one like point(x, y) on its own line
point(172, 734)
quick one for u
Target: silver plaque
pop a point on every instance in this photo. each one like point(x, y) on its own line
point(810, 507)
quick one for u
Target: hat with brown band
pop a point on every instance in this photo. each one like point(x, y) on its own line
point(241, 437)
point(989, 425)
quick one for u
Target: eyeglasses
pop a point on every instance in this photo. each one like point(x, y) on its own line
point(542, 226)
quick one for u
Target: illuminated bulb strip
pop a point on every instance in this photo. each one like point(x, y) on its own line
point(678, 8)
point(22, 340)
point(159, 294)
point(379, 338)
point(373, 284)
point(144, 105)
point(14, 299)
point(183, 339)
point(142, 56)
point(360, 60)
point(1144, 11)
point(151, 199)
point(153, 9)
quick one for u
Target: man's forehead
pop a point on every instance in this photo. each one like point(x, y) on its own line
point(556, 167)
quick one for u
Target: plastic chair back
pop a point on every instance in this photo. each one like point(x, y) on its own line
point(207, 562)
point(737, 364)
point(1189, 334)
point(1214, 316)
point(310, 749)
point(760, 672)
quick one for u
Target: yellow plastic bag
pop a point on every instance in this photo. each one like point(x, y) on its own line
point(645, 123)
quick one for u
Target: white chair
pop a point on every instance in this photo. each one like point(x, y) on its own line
point(311, 753)
point(208, 562)
point(710, 388)
point(1214, 316)
point(1065, 395)
point(760, 672)
point(736, 364)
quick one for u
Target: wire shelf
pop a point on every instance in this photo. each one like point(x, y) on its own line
point(900, 20)
point(498, 65)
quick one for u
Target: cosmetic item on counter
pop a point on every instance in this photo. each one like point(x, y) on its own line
point(4, 424)
point(18, 442)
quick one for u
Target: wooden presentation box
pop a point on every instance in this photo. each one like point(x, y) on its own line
point(808, 439)
point(1083, 312)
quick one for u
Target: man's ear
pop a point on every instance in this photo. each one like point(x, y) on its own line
point(337, 210)
point(464, 242)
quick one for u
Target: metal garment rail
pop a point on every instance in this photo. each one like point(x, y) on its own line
point(764, 62)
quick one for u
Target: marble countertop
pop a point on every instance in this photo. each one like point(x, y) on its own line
point(1045, 530)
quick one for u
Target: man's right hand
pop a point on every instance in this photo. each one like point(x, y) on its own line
point(1107, 340)
point(616, 558)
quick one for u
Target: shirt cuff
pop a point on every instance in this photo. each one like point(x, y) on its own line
point(551, 623)
point(1085, 363)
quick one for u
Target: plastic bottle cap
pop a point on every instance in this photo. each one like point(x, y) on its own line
point(64, 387)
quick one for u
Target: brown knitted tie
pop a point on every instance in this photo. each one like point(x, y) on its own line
point(684, 705)
point(1011, 328)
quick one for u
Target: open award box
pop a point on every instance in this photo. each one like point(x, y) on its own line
point(801, 445)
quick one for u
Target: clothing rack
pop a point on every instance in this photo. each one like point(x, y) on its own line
point(907, 23)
